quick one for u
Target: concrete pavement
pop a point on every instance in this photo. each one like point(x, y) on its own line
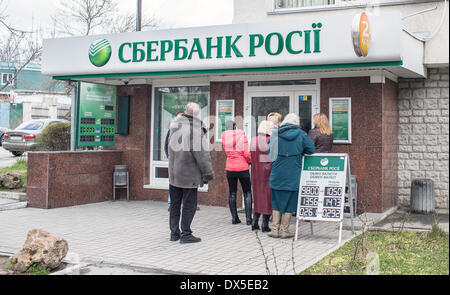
point(135, 234)
point(6, 158)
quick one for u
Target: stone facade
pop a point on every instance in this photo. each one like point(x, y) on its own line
point(136, 145)
point(424, 134)
point(60, 179)
point(373, 151)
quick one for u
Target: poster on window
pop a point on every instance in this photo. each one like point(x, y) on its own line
point(340, 119)
point(174, 104)
point(224, 112)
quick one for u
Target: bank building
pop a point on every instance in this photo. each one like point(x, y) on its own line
point(378, 70)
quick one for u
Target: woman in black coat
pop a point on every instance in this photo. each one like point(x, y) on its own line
point(322, 135)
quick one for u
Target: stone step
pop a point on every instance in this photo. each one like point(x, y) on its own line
point(13, 205)
point(13, 196)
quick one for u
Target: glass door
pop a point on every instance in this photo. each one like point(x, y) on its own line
point(261, 104)
point(306, 106)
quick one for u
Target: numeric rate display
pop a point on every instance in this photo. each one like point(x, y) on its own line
point(322, 187)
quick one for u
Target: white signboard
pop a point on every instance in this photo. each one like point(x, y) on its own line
point(323, 182)
point(306, 41)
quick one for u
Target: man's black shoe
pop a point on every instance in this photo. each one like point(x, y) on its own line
point(189, 239)
point(174, 238)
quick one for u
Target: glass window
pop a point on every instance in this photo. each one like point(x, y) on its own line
point(168, 102)
point(302, 3)
point(281, 4)
point(264, 105)
point(283, 82)
point(304, 111)
point(33, 125)
point(6, 77)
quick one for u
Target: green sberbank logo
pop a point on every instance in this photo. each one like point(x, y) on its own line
point(100, 52)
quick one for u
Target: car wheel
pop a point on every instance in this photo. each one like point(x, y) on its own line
point(1, 139)
point(17, 154)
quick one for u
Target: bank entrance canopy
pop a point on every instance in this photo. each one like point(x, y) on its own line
point(342, 43)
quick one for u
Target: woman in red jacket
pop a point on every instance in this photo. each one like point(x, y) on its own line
point(235, 145)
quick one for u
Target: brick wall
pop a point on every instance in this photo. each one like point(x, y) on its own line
point(424, 134)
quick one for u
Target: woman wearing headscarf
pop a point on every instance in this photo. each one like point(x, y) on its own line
point(321, 134)
point(235, 145)
point(261, 165)
point(286, 147)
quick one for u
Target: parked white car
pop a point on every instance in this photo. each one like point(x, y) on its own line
point(23, 138)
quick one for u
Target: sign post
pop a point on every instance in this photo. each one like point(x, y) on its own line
point(321, 196)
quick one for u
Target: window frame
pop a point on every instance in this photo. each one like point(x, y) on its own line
point(8, 77)
point(342, 4)
point(331, 100)
point(163, 183)
point(337, 3)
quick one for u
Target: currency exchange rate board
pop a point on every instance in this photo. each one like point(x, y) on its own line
point(322, 187)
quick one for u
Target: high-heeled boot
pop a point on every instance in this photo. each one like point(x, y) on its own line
point(265, 223)
point(255, 221)
point(233, 209)
point(248, 207)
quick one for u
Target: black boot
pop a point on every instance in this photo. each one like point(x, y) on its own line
point(233, 209)
point(265, 223)
point(248, 207)
point(255, 221)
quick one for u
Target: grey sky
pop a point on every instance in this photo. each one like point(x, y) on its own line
point(172, 13)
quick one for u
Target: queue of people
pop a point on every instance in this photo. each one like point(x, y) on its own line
point(274, 156)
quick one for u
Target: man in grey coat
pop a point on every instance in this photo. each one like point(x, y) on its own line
point(190, 166)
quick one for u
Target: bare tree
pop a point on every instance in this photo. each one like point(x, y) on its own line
point(4, 22)
point(127, 23)
point(87, 17)
point(83, 17)
point(18, 48)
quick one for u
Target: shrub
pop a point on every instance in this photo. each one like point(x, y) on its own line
point(55, 137)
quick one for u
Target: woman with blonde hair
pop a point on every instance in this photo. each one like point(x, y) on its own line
point(275, 118)
point(261, 165)
point(287, 146)
point(321, 134)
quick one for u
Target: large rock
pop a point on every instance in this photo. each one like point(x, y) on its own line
point(11, 180)
point(41, 248)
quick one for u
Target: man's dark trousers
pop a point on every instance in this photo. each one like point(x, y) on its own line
point(187, 197)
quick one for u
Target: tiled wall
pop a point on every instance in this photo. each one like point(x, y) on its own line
point(424, 134)
point(60, 179)
point(373, 114)
point(390, 144)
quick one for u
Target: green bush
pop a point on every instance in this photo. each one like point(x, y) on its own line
point(55, 137)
